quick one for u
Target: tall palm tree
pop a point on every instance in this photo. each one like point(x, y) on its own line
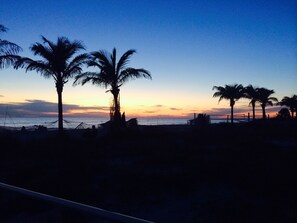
point(58, 62)
point(8, 50)
point(112, 75)
point(265, 99)
point(290, 102)
point(229, 92)
point(251, 93)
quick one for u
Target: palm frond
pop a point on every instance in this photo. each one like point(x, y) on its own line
point(124, 60)
point(232, 92)
point(75, 66)
point(105, 62)
point(57, 58)
point(8, 60)
point(219, 93)
point(288, 101)
point(92, 63)
point(132, 73)
point(8, 51)
point(221, 98)
point(29, 65)
point(113, 58)
point(8, 48)
point(79, 78)
point(80, 59)
point(3, 29)
point(70, 48)
point(42, 68)
point(218, 88)
point(273, 99)
point(22, 62)
point(43, 51)
point(102, 57)
point(250, 92)
point(264, 96)
point(93, 77)
point(49, 43)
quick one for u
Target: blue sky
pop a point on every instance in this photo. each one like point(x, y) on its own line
point(188, 46)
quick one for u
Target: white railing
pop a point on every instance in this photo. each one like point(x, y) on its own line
point(108, 215)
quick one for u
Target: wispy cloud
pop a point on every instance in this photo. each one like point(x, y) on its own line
point(151, 111)
point(45, 108)
point(175, 109)
point(240, 110)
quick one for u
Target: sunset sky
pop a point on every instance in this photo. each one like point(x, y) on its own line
point(188, 46)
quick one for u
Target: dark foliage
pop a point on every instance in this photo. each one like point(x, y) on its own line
point(8, 50)
point(238, 173)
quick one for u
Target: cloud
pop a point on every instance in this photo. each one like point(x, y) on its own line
point(45, 108)
point(151, 112)
point(219, 112)
point(175, 109)
point(273, 109)
point(153, 109)
point(1, 96)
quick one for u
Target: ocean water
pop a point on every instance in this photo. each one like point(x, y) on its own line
point(71, 122)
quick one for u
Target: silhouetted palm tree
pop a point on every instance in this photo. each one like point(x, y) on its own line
point(290, 102)
point(8, 50)
point(265, 99)
point(112, 74)
point(229, 92)
point(58, 61)
point(251, 93)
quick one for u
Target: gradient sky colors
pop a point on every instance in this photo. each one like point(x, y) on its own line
point(188, 46)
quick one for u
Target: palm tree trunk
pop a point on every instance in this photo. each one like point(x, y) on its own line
point(292, 113)
point(116, 102)
point(60, 110)
point(59, 87)
point(254, 113)
point(232, 114)
point(263, 111)
point(115, 93)
point(232, 103)
point(117, 114)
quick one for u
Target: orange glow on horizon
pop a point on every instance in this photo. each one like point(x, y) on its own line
point(142, 106)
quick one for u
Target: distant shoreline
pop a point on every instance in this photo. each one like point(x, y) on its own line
point(72, 123)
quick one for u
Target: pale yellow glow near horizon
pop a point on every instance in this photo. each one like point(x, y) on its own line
point(138, 108)
point(134, 102)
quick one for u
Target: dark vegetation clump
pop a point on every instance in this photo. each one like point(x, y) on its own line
point(222, 173)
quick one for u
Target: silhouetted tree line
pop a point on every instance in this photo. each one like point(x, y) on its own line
point(261, 95)
point(61, 62)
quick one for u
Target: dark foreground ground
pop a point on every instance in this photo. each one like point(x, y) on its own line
point(218, 173)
